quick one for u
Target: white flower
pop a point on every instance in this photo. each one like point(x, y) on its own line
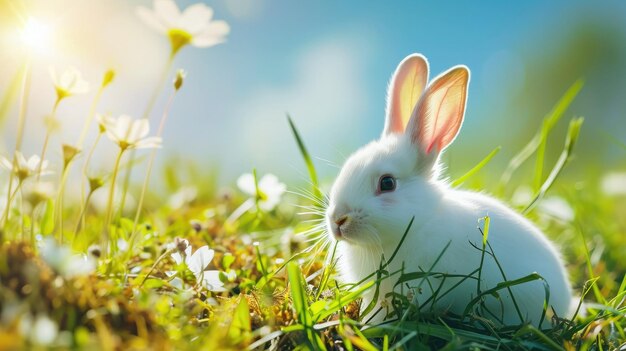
point(557, 207)
point(100, 200)
point(25, 168)
point(197, 264)
point(183, 197)
point(269, 193)
point(614, 183)
point(69, 83)
point(128, 133)
point(63, 261)
point(39, 192)
point(193, 26)
point(42, 331)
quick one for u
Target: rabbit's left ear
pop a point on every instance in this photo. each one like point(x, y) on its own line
point(439, 114)
point(405, 89)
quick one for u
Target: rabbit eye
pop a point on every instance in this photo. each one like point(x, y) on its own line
point(386, 183)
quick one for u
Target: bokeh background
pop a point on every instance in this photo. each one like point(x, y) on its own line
point(327, 64)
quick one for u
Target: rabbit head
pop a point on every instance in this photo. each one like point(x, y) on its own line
point(385, 183)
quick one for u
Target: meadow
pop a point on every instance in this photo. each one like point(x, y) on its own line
point(196, 266)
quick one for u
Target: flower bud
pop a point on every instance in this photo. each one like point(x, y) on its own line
point(108, 77)
point(69, 152)
point(180, 77)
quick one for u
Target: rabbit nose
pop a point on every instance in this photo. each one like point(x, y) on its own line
point(341, 221)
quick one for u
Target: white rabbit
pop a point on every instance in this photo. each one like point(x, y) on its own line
point(391, 180)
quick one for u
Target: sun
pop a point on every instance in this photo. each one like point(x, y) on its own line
point(36, 35)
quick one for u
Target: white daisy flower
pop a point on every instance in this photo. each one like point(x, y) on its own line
point(197, 263)
point(69, 82)
point(128, 133)
point(64, 261)
point(557, 207)
point(614, 183)
point(191, 26)
point(40, 330)
point(270, 189)
point(24, 168)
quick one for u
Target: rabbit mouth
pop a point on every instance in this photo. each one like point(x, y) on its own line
point(353, 232)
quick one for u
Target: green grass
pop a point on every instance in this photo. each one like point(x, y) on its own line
point(281, 296)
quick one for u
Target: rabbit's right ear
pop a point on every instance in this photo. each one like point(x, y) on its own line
point(440, 111)
point(405, 89)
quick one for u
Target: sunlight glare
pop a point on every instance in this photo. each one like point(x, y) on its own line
point(36, 35)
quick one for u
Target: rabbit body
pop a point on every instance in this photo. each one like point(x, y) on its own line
point(385, 184)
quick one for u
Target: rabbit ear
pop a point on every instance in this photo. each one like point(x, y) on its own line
point(405, 89)
point(439, 113)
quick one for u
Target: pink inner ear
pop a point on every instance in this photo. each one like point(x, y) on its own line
point(441, 110)
point(406, 88)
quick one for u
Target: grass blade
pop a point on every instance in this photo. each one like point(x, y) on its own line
point(572, 136)
point(307, 159)
point(549, 121)
point(476, 168)
point(10, 96)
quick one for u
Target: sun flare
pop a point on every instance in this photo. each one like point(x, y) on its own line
point(36, 35)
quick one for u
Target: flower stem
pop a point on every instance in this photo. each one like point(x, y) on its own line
point(146, 180)
point(22, 213)
point(85, 176)
point(20, 135)
point(5, 216)
point(146, 114)
point(109, 213)
point(92, 112)
point(81, 216)
point(159, 87)
point(59, 205)
point(47, 139)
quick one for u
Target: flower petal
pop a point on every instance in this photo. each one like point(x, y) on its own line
point(167, 12)
point(150, 19)
point(215, 33)
point(177, 257)
point(148, 143)
point(6, 163)
point(21, 160)
point(196, 18)
point(33, 163)
point(246, 184)
point(211, 281)
point(200, 260)
point(141, 128)
point(53, 75)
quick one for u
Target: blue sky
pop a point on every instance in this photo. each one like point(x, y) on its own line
point(326, 63)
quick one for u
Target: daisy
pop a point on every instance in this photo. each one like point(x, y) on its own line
point(197, 263)
point(69, 82)
point(128, 133)
point(269, 192)
point(191, 26)
point(24, 168)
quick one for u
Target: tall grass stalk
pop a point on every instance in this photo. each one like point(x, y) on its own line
point(476, 168)
point(307, 159)
point(570, 140)
point(10, 95)
point(11, 197)
point(49, 128)
point(106, 80)
point(146, 115)
point(146, 181)
point(109, 212)
point(85, 201)
point(26, 78)
point(550, 121)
